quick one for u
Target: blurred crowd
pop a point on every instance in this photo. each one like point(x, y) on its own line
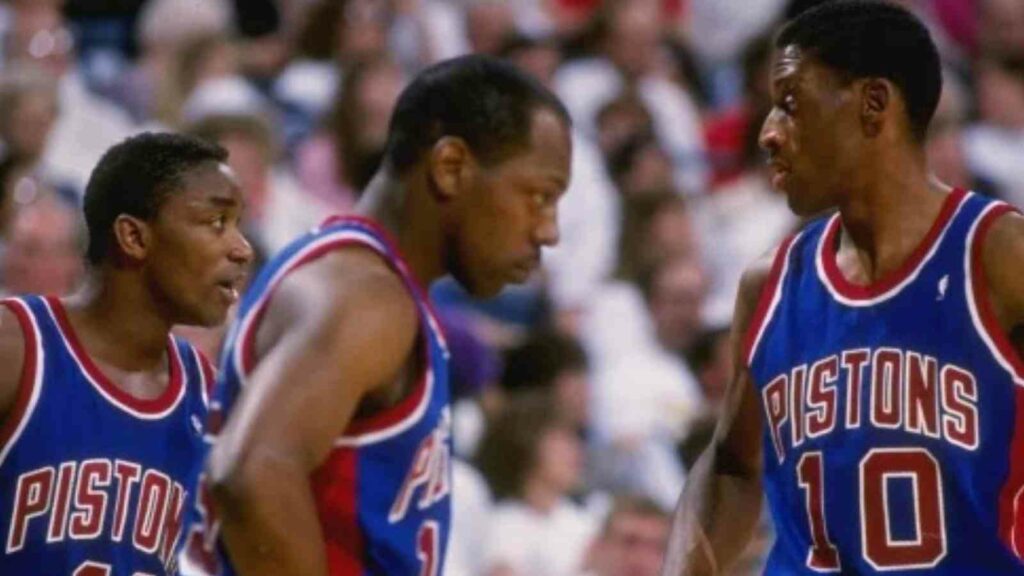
point(584, 395)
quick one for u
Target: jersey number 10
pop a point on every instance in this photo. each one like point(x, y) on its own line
point(880, 550)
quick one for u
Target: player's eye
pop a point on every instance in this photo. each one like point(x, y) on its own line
point(789, 103)
point(219, 222)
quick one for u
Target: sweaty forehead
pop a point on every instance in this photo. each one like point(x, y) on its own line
point(793, 66)
point(213, 183)
point(788, 65)
point(550, 154)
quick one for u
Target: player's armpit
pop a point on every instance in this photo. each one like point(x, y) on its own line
point(353, 330)
point(1003, 260)
point(12, 355)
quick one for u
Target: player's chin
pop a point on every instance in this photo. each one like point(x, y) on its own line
point(211, 315)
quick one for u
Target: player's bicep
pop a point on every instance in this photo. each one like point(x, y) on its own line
point(12, 357)
point(306, 387)
point(1004, 269)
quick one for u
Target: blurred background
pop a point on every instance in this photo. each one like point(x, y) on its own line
point(584, 396)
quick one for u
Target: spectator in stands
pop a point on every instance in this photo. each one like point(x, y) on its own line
point(488, 24)
point(632, 540)
point(43, 248)
point(533, 460)
point(28, 111)
point(995, 144)
point(620, 121)
point(339, 160)
point(554, 364)
point(540, 57)
point(86, 124)
point(629, 55)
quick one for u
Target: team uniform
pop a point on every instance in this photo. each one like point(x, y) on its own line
point(894, 412)
point(382, 495)
point(91, 478)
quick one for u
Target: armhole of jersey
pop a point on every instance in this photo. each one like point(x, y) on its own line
point(30, 383)
point(207, 376)
point(373, 428)
point(985, 322)
point(398, 418)
point(768, 300)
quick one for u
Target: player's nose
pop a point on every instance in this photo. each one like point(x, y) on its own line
point(770, 137)
point(240, 251)
point(547, 233)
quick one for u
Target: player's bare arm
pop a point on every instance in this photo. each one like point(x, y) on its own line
point(721, 503)
point(353, 332)
point(1004, 270)
point(12, 352)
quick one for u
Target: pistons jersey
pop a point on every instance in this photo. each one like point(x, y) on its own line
point(92, 478)
point(894, 411)
point(382, 494)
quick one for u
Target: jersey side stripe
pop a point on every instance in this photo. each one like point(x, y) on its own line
point(771, 295)
point(31, 383)
point(977, 295)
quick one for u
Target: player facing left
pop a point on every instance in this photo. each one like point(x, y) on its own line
point(101, 407)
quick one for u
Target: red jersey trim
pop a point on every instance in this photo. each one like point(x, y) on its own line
point(984, 318)
point(146, 409)
point(1011, 496)
point(392, 245)
point(30, 384)
point(336, 483)
point(888, 286)
point(206, 373)
point(771, 294)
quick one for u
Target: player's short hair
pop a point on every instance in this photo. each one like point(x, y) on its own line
point(486, 102)
point(873, 38)
point(135, 177)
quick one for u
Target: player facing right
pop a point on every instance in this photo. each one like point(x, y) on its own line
point(879, 389)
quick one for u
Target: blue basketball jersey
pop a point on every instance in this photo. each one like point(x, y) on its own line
point(91, 478)
point(894, 412)
point(383, 493)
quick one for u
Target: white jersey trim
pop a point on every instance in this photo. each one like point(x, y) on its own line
point(173, 357)
point(972, 298)
point(37, 379)
point(892, 292)
point(776, 298)
point(245, 327)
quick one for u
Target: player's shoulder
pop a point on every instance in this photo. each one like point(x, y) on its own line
point(1002, 253)
point(356, 284)
point(12, 353)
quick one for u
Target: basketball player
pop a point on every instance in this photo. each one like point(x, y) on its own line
point(334, 456)
point(879, 394)
point(100, 407)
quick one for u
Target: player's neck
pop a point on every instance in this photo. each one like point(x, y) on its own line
point(403, 213)
point(888, 213)
point(118, 324)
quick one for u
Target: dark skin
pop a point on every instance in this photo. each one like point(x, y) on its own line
point(449, 213)
point(832, 144)
point(174, 269)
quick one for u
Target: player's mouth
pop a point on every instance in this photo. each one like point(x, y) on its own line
point(525, 269)
point(779, 173)
point(230, 289)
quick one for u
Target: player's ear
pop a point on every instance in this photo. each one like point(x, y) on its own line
point(132, 236)
point(877, 97)
point(449, 164)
